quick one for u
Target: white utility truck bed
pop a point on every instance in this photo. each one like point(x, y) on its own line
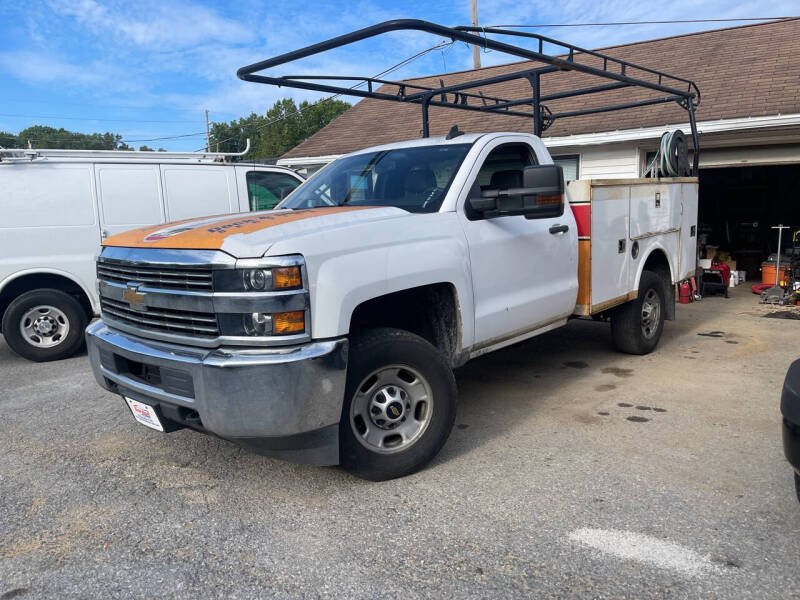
point(630, 217)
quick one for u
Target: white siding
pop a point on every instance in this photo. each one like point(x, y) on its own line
point(604, 162)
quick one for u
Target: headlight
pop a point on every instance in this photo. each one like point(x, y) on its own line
point(257, 324)
point(267, 278)
point(263, 324)
point(263, 297)
point(257, 279)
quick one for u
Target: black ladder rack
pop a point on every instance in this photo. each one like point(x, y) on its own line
point(621, 74)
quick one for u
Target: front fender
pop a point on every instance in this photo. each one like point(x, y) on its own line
point(350, 266)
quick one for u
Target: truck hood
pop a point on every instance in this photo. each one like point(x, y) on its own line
point(250, 234)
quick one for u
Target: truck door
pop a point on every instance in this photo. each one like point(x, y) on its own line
point(129, 196)
point(524, 271)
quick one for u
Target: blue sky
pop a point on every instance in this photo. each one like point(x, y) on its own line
point(148, 69)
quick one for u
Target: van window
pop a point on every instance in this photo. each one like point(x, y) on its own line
point(266, 188)
point(129, 194)
point(45, 196)
point(196, 191)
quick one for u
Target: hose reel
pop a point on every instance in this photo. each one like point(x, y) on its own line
point(672, 157)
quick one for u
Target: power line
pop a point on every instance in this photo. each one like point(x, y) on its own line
point(168, 137)
point(91, 119)
point(88, 138)
point(665, 22)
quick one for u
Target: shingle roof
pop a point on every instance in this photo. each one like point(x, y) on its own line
point(752, 70)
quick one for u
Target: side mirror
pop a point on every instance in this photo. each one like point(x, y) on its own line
point(547, 180)
point(483, 204)
point(541, 196)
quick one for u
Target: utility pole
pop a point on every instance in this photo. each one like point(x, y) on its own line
point(476, 52)
point(208, 135)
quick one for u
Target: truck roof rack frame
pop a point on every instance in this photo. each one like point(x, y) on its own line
point(621, 73)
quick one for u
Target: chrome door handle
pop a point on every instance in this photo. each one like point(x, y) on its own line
point(559, 229)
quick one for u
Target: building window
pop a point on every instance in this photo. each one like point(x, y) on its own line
point(570, 164)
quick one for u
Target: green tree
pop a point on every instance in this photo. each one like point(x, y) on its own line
point(145, 149)
point(8, 140)
point(41, 136)
point(283, 126)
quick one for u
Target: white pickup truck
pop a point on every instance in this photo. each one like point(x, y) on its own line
point(326, 331)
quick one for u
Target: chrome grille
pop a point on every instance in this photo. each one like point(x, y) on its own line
point(169, 278)
point(165, 320)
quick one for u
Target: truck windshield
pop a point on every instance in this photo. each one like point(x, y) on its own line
point(414, 179)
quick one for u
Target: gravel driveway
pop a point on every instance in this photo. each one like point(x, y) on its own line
point(572, 471)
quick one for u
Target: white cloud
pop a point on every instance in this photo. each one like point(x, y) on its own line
point(37, 67)
point(156, 25)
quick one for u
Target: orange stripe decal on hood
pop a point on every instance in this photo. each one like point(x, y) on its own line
point(208, 233)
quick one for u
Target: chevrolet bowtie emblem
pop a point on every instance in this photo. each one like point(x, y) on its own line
point(134, 297)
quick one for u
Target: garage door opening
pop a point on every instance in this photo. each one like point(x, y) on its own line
point(738, 207)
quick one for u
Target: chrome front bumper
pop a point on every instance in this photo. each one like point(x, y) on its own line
point(283, 402)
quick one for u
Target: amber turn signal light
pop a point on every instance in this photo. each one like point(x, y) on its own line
point(285, 278)
point(288, 322)
point(547, 199)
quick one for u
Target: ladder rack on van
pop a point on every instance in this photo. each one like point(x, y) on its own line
point(33, 154)
point(619, 73)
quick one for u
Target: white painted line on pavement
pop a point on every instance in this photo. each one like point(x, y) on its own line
point(628, 545)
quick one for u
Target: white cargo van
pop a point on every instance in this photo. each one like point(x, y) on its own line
point(56, 206)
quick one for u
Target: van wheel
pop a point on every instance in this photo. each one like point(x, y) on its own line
point(636, 326)
point(797, 485)
point(44, 325)
point(399, 405)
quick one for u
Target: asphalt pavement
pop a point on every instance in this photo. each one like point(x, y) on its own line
point(573, 471)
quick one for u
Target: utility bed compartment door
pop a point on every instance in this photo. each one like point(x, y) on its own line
point(688, 259)
point(610, 246)
point(655, 208)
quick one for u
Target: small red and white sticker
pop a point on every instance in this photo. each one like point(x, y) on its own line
point(145, 414)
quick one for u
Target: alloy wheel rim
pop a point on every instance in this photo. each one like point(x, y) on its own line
point(44, 326)
point(391, 409)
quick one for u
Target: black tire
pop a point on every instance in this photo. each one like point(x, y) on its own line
point(372, 351)
point(65, 346)
point(628, 330)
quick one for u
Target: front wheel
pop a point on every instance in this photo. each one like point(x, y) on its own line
point(636, 326)
point(44, 325)
point(797, 485)
point(400, 405)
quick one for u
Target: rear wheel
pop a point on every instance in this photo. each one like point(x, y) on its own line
point(636, 326)
point(44, 325)
point(797, 485)
point(400, 404)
